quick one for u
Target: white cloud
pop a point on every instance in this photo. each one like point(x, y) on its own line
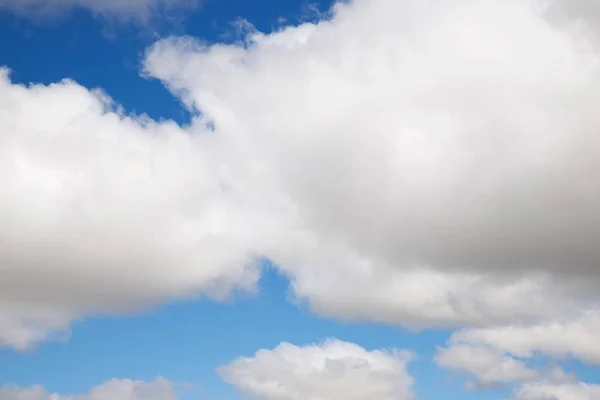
point(103, 213)
point(449, 168)
point(407, 162)
point(577, 338)
point(485, 364)
point(440, 158)
point(328, 371)
point(567, 391)
point(139, 10)
point(159, 389)
point(502, 354)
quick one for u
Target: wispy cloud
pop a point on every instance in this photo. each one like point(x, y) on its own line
point(124, 10)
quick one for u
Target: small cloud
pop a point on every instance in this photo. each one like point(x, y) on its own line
point(329, 371)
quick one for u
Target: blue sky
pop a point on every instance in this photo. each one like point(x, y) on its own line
point(285, 200)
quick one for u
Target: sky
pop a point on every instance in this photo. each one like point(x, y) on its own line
point(267, 200)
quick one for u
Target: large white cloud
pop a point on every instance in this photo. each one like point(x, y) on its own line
point(440, 158)
point(327, 371)
point(159, 389)
point(407, 162)
point(418, 133)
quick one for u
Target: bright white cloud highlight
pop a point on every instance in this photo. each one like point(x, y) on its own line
point(125, 389)
point(327, 371)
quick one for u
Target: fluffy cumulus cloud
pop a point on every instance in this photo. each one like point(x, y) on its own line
point(100, 212)
point(139, 10)
point(125, 389)
point(420, 163)
point(327, 371)
point(438, 160)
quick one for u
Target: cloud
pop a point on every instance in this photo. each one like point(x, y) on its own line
point(503, 354)
point(331, 370)
point(436, 169)
point(159, 389)
point(548, 391)
point(451, 184)
point(576, 338)
point(106, 213)
point(405, 162)
point(486, 365)
point(139, 10)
